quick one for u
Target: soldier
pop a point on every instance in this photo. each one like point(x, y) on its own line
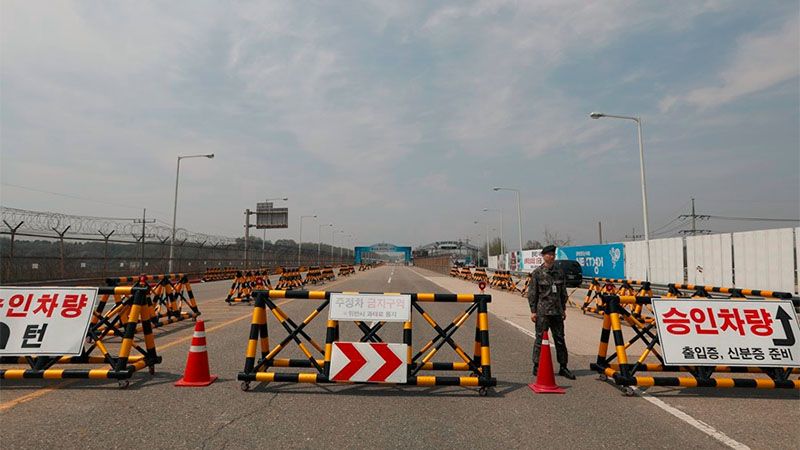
point(547, 297)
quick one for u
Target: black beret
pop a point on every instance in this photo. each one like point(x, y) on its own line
point(549, 249)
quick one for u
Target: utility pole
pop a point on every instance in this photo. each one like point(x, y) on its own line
point(694, 231)
point(144, 222)
point(600, 231)
point(633, 235)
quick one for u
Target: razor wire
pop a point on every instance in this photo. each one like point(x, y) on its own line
point(86, 226)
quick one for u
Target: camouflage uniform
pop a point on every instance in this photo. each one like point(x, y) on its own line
point(547, 297)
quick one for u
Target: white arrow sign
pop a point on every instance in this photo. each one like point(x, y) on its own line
point(368, 362)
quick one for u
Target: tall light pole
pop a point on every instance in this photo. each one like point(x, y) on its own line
point(264, 239)
point(500, 213)
point(519, 211)
point(175, 205)
point(319, 242)
point(333, 239)
point(487, 241)
point(300, 244)
point(638, 120)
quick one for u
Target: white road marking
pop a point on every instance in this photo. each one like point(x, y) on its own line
point(390, 276)
point(700, 425)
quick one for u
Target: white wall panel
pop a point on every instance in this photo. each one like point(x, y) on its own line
point(709, 260)
point(764, 259)
point(635, 260)
point(666, 260)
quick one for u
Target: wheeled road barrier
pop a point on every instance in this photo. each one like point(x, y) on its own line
point(168, 293)
point(134, 310)
point(625, 373)
point(244, 283)
point(318, 358)
point(290, 279)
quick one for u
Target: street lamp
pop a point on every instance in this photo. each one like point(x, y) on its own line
point(319, 242)
point(300, 244)
point(519, 211)
point(638, 120)
point(333, 239)
point(264, 239)
point(487, 241)
point(175, 205)
point(500, 213)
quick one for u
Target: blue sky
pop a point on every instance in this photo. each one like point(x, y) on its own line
point(393, 120)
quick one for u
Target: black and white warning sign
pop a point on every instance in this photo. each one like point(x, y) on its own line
point(44, 320)
point(728, 333)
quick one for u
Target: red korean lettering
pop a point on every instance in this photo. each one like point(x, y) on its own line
point(676, 321)
point(699, 317)
point(759, 321)
point(731, 319)
point(73, 304)
point(46, 304)
point(19, 301)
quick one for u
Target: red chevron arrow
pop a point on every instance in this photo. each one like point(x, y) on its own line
point(392, 362)
point(356, 362)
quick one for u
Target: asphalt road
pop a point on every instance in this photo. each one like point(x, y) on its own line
point(153, 413)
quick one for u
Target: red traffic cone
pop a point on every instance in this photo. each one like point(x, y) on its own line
point(545, 378)
point(197, 371)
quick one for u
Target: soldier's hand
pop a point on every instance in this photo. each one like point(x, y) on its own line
point(533, 317)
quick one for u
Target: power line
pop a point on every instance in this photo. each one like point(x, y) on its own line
point(753, 219)
point(67, 195)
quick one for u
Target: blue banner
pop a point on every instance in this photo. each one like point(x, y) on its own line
point(602, 261)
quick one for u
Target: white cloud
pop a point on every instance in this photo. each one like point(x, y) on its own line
point(759, 62)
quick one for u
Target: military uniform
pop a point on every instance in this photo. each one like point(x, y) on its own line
point(547, 297)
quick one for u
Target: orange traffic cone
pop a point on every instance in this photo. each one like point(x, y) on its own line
point(197, 371)
point(545, 378)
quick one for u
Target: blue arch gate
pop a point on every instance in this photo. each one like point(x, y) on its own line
point(389, 248)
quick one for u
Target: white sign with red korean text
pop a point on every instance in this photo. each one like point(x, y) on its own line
point(704, 332)
point(44, 320)
point(370, 307)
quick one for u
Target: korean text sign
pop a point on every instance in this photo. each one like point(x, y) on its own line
point(44, 320)
point(728, 333)
point(371, 307)
point(604, 261)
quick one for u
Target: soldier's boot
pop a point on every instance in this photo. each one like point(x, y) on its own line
point(564, 372)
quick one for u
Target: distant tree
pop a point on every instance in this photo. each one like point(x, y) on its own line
point(533, 245)
point(552, 238)
point(494, 246)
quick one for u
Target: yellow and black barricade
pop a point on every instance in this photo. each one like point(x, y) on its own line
point(314, 275)
point(168, 294)
point(327, 273)
point(290, 279)
point(480, 275)
point(318, 358)
point(346, 270)
point(626, 373)
point(455, 272)
point(133, 314)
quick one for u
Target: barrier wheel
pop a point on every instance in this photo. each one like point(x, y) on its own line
point(602, 377)
point(628, 391)
point(123, 384)
point(483, 392)
point(245, 386)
